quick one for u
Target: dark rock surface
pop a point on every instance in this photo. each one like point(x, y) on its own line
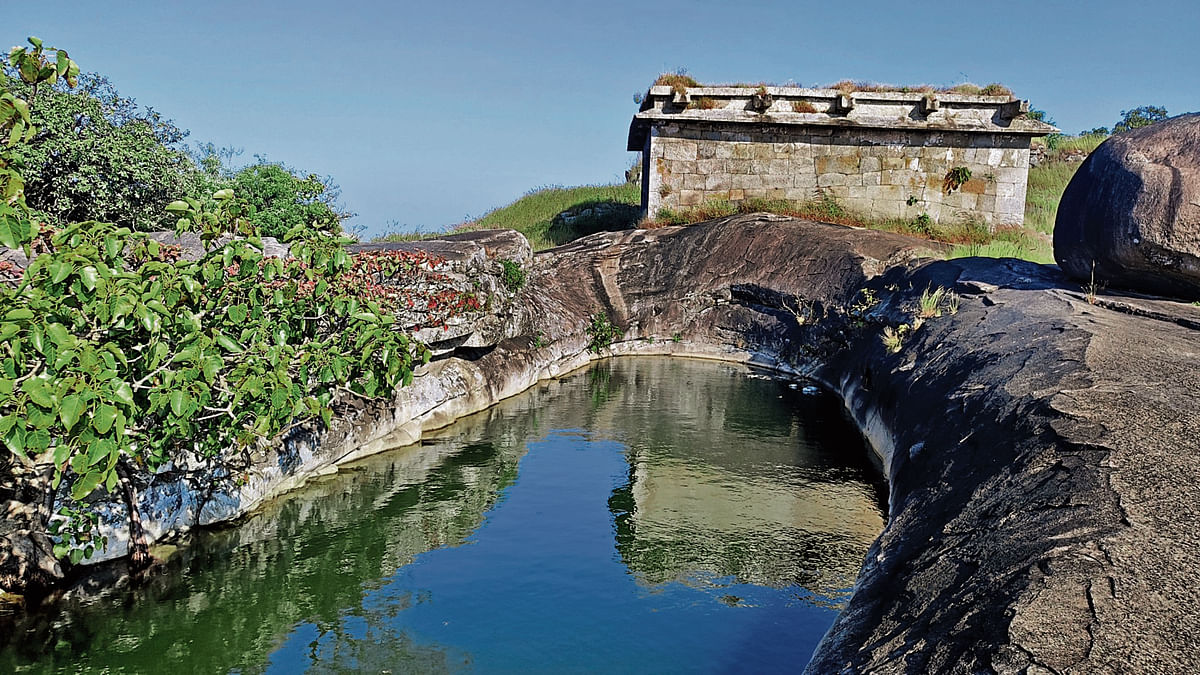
point(1040, 448)
point(1133, 210)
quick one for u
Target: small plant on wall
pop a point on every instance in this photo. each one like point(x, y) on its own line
point(704, 103)
point(803, 107)
point(761, 101)
point(956, 177)
point(601, 332)
point(514, 276)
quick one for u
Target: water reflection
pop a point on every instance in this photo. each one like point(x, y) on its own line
point(442, 558)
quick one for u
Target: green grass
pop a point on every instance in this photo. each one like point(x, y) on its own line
point(406, 236)
point(1004, 249)
point(1048, 180)
point(532, 215)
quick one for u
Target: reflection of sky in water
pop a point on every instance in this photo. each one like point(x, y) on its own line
point(669, 515)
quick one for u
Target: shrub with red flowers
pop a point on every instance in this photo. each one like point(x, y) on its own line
point(116, 356)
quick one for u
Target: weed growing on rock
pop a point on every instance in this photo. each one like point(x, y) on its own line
point(955, 178)
point(1092, 289)
point(936, 300)
point(601, 332)
point(679, 81)
point(867, 300)
point(803, 107)
point(923, 224)
point(514, 276)
point(893, 338)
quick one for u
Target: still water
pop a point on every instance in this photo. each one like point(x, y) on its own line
point(646, 515)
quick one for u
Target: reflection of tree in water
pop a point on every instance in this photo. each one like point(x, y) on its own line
point(600, 383)
point(316, 565)
point(370, 641)
point(235, 592)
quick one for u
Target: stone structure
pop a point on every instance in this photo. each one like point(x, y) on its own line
point(1036, 442)
point(881, 154)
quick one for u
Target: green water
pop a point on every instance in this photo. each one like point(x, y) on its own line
point(647, 515)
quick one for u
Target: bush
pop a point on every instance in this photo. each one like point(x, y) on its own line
point(1139, 117)
point(283, 198)
point(115, 356)
point(514, 276)
point(99, 156)
point(601, 332)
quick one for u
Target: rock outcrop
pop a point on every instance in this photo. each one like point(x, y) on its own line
point(1130, 217)
point(1038, 442)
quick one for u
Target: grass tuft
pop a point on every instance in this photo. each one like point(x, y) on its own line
point(996, 89)
point(678, 81)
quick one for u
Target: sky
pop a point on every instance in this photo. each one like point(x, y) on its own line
point(430, 113)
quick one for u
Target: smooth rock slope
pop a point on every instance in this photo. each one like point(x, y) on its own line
point(1039, 442)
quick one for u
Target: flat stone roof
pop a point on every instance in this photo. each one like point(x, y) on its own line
point(898, 111)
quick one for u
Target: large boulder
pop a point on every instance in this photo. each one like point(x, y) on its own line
point(1133, 211)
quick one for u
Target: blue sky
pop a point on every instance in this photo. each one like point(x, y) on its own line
point(427, 113)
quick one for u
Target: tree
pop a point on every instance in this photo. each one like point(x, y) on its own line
point(115, 357)
point(1139, 117)
point(1052, 140)
point(99, 156)
point(284, 199)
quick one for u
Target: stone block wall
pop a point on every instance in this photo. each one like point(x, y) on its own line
point(883, 173)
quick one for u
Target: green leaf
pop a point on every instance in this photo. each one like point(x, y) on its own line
point(62, 452)
point(20, 313)
point(39, 392)
point(177, 206)
point(100, 450)
point(59, 334)
point(14, 440)
point(211, 366)
point(76, 554)
point(177, 402)
point(229, 345)
point(123, 393)
point(84, 486)
point(222, 195)
point(88, 276)
point(102, 421)
point(70, 410)
point(60, 270)
point(37, 440)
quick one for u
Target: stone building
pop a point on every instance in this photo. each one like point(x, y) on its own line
point(881, 154)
